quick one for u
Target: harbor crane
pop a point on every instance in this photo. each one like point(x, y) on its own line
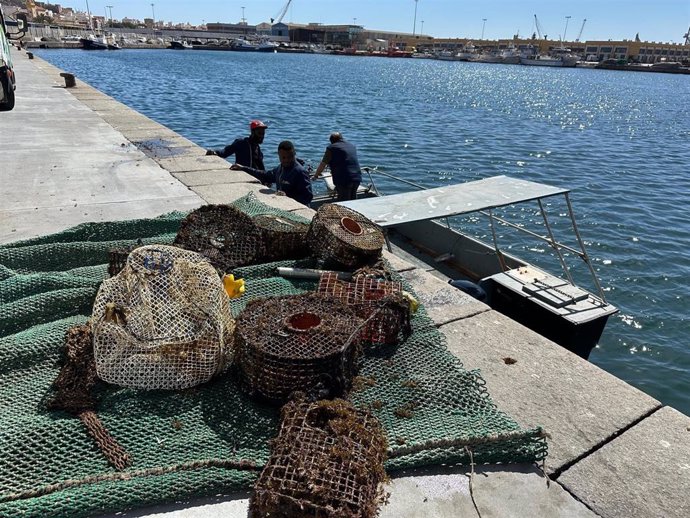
point(282, 13)
point(582, 27)
point(687, 37)
point(540, 30)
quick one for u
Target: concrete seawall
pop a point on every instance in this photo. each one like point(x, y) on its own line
point(74, 155)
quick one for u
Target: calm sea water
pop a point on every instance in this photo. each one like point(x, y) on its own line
point(620, 141)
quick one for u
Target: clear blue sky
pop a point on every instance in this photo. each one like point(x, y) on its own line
point(655, 20)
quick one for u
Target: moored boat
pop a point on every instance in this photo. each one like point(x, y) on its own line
point(558, 57)
point(180, 45)
point(420, 224)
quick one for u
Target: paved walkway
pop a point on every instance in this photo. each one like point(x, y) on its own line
point(76, 155)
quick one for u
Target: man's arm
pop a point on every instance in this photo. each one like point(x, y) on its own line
point(324, 162)
point(265, 177)
point(225, 152)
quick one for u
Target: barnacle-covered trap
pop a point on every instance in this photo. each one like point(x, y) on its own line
point(326, 462)
point(342, 236)
point(297, 343)
point(380, 303)
point(281, 238)
point(225, 235)
point(163, 322)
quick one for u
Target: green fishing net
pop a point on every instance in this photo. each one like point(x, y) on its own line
point(189, 443)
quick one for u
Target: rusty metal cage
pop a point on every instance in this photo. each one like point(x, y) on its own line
point(225, 235)
point(117, 259)
point(297, 343)
point(379, 302)
point(281, 238)
point(326, 462)
point(163, 322)
point(344, 237)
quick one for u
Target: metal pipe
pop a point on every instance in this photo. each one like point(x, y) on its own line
point(499, 254)
point(584, 255)
point(552, 242)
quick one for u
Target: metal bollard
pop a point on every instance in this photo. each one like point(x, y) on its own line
point(69, 79)
point(30, 54)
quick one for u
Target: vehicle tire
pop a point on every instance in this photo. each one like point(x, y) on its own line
point(8, 93)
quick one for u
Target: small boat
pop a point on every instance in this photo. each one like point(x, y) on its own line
point(267, 46)
point(468, 53)
point(419, 224)
point(558, 57)
point(243, 45)
point(93, 42)
point(180, 45)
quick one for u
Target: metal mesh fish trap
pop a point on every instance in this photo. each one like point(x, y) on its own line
point(380, 303)
point(281, 238)
point(326, 462)
point(225, 235)
point(301, 342)
point(163, 322)
point(117, 259)
point(344, 237)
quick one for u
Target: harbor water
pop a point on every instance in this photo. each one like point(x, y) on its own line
point(620, 141)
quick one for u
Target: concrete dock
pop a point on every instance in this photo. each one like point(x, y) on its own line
point(74, 155)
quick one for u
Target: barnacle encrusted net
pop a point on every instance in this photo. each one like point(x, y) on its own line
point(301, 342)
point(281, 238)
point(327, 462)
point(379, 302)
point(344, 237)
point(163, 322)
point(224, 234)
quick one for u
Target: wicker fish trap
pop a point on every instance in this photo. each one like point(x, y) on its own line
point(117, 259)
point(341, 236)
point(380, 303)
point(163, 322)
point(297, 343)
point(326, 462)
point(281, 238)
point(225, 235)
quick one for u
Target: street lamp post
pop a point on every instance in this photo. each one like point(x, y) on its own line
point(153, 14)
point(483, 26)
point(242, 14)
point(414, 25)
point(567, 19)
point(422, 31)
point(110, 8)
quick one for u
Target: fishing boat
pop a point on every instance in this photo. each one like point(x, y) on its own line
point(558, 57)
point(423, 225)
point(180, 45)
point(93, 42)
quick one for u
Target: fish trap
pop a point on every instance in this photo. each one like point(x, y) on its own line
point(163, 322)
point(380, 303)
point(281, 238)
point(117, 259)
point(225, 235)
point(341, 236)
point(326, 462)
point(297, 343)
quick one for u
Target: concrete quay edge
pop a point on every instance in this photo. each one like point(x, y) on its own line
point(604, 436)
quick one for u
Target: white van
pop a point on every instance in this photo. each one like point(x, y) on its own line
point(7, 80)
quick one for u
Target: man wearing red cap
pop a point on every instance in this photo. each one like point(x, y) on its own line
point(247, 150)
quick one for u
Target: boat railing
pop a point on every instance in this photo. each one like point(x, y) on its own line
point(557, 246)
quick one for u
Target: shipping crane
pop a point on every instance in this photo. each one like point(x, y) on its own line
point(579, 34)
point(540, 31)
point(279, 17)
point(687, 37)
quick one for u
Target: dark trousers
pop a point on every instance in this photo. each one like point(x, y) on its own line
point(347, 191)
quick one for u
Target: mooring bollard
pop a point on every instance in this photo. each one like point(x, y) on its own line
point(69, 79)
point(30, 54)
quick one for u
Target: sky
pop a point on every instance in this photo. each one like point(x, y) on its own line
point(654, 20)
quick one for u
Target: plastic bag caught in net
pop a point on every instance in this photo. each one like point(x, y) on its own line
point(163, 322)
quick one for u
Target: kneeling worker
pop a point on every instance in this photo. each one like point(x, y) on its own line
point(341, 156)
point(290, 177)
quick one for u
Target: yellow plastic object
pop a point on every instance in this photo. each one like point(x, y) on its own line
point(413, 301)
point(234, 288)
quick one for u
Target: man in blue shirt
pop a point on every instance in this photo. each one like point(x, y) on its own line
point(290, 177)
point(247, 150)
point(341, 156)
